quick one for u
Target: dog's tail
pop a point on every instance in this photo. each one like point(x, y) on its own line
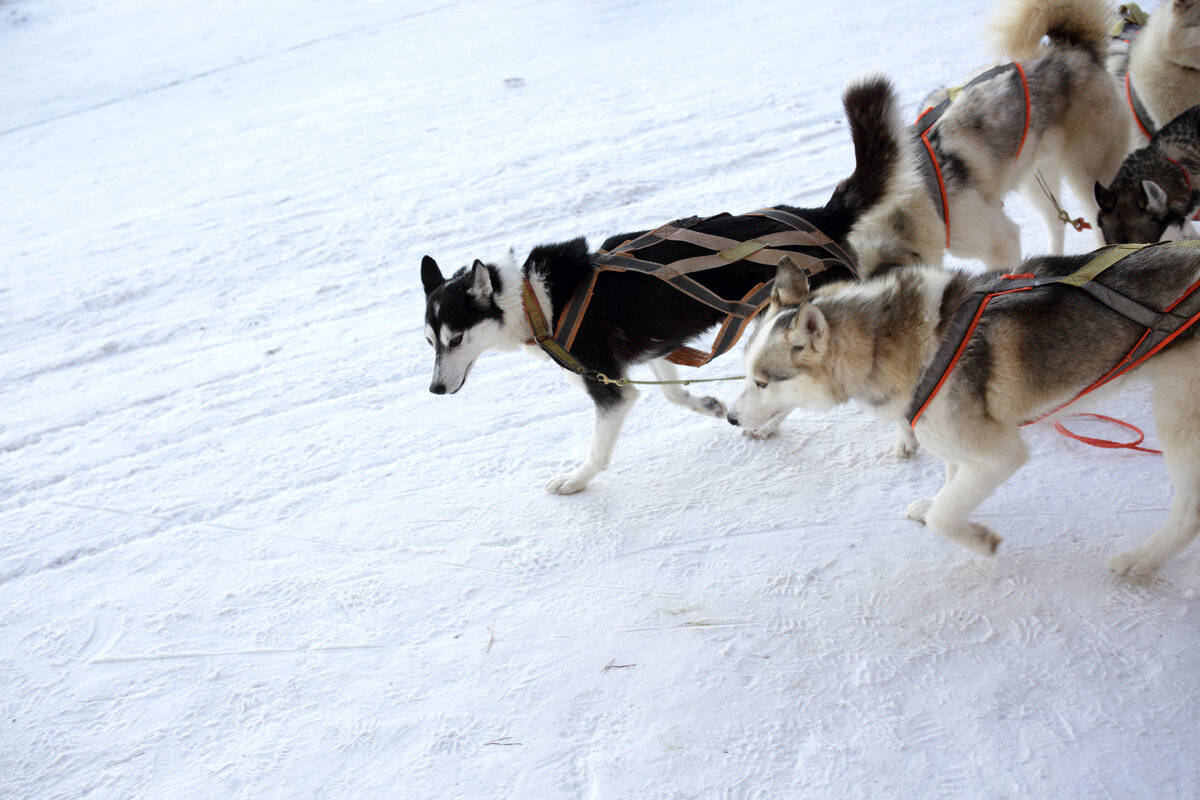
point(1017, 28)
point(879, 134)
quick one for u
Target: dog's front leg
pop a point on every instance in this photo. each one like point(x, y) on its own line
point(969, 483)
point(611, 409)
point(665, 371)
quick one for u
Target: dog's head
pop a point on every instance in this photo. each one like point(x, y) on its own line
point(462, 319)
point(1140, 211)
point(785, 359)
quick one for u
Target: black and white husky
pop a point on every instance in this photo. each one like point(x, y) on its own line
point(1057, 117)
point(1157, 190)
point(634, 318)
point(1032, 352)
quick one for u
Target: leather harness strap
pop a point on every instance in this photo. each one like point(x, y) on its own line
point(768, 249)
point(1161, 326)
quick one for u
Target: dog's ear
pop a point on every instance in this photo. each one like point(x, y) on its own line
point(809, 330)
point(481, 282)
point(1105, 198)
point(1156, 198)
point(431, 276)
point(791, 284)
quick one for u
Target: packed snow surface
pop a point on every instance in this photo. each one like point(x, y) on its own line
point(247, 554)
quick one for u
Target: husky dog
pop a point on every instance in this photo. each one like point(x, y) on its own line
point(1063, 119)
point(1156, 192)
point(1164, 64)
point(634, 318)
point(1032, 352)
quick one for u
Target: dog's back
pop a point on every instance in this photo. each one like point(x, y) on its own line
point(1164, 61)
point(1034, 350)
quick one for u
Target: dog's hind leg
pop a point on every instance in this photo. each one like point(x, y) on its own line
point(1178, 421)
point(906, 441)
point(968, 483)
point(613, 404)
point(982, 230)
point(665, 371)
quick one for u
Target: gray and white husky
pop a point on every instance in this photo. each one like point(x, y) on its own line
point(1164, 63)
point(1157, 190)
point(1032, 352)
point(990, 141)
point(633, 318)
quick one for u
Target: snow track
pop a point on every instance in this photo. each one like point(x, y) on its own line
point(247, 554)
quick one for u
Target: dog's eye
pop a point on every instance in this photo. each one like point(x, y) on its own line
point(456, 340)
point(761, 384)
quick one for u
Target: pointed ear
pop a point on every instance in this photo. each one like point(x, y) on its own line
point(1156, 198)
point(431, 276)
point(791, 284)
point(809, 330)
point(1105, 198)
point(481, 282)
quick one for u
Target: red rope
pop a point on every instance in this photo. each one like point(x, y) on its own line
point(1107, 443)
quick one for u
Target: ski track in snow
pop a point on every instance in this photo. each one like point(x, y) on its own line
point(246, 554)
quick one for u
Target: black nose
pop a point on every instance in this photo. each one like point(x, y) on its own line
point(732, 419)
point(437, 388)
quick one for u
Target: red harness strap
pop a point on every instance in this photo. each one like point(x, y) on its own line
point(1140, 115)
point(930, 116)
point(1162, 328)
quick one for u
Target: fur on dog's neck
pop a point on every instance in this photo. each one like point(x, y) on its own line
point(553, 270)
point(884, 333)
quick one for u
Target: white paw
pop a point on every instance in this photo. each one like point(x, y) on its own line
point(1133, 562)
point(917, 509)
point(764, 431)
point(906, 443)
point(565, 484)
point(979, 538)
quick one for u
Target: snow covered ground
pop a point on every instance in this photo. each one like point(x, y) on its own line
point(246, 554)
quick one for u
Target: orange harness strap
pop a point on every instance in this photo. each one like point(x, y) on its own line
point(1161, 327)
point(930, 116)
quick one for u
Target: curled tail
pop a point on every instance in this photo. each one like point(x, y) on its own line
point(879, 134)
point(1016, 30)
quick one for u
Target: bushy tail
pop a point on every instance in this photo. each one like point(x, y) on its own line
point(879, 134)
point(1016, 30)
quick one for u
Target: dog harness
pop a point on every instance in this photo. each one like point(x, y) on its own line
point(1161, 326)
point(768, 249)
point(930, 116)
point(1140, 115)
point(1126, 30)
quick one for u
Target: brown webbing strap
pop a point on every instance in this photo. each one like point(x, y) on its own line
point(767, 250)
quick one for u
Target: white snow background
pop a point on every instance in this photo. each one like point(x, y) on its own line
point(244, 553)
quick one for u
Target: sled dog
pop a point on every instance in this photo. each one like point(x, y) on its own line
point(633, 318)
point(1054, 113)
point(1157, 190)
point(1031, 352)
point(1164, 65)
